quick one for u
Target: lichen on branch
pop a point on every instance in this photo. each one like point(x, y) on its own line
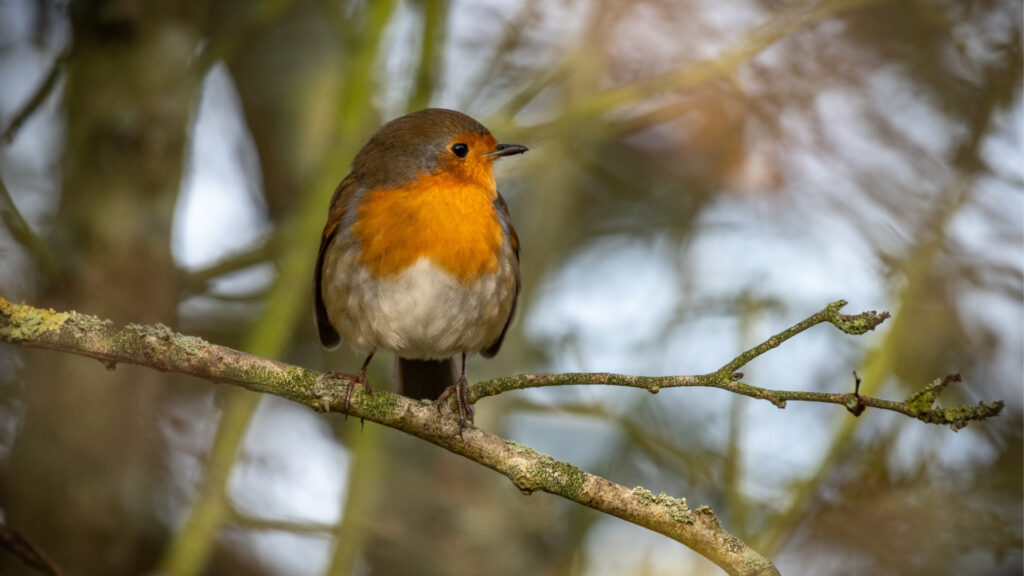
point(161, 348)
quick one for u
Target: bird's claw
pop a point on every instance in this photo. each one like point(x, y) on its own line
point(461, 391)
point(359, 379)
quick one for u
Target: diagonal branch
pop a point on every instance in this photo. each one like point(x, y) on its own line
point(39, 95)
point(790, 19)
point(22, 232)
point(29, 553)
point(198, 281)
point(159, 347)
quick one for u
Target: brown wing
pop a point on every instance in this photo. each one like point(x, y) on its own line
point(513, 238)
point(339, 204)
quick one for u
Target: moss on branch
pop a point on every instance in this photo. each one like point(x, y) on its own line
point(161, 348)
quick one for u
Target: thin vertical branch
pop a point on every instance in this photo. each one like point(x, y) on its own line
point(192, 546)
point(434, 18)
point(365, 471)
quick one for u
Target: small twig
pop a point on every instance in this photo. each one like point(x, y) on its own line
point(727, 377)
point(855, 324)
point(857, 407)
point(256, 523)
point(956, 417)
point(38, 97)
point(920, 406)
point(28, 552)
point(197, 281)
point(23, 233)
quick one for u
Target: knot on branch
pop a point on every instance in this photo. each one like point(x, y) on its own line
point(856, 403)
point(854, 324)
point(921, 405)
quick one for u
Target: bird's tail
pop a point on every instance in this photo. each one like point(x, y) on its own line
point(424, 378)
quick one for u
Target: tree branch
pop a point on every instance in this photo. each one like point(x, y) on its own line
point(159, 347)
point(920, 405)
point(248, 522)
point(28, 552)
point(39, 95)
point(22, 232)
point(198, 281)
point(793, 17)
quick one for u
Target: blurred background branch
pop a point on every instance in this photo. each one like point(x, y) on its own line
point(23, 234)
point(27, 552)
point(41, 93)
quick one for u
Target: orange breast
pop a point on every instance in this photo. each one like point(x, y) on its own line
point(445, 217)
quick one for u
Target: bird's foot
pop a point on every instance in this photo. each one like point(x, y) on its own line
point(327, 390)
point(461, 391)
point(359, 379)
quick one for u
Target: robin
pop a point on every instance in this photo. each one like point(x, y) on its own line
point(418, 255)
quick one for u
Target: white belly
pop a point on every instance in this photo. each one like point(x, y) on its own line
point(421, 313)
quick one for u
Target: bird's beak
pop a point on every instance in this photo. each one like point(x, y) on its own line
point(506, 150)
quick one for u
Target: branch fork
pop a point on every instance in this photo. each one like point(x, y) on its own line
point(159, 347)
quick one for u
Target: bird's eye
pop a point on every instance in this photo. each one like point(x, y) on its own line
point(460, 150)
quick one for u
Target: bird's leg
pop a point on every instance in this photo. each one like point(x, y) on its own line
point(461, 391)
point(360, 379)
point(462, 398)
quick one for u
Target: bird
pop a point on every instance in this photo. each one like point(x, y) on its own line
point(419, 256)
